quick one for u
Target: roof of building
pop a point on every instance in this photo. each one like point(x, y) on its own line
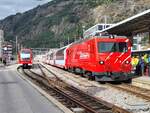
point(133, 25)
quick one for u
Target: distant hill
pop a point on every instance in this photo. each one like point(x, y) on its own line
point(51, 24)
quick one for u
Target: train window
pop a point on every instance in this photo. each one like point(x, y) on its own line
point(122, 47)
point(106, 47)
point(25, 56)
point(112, 47)
point(60, 54)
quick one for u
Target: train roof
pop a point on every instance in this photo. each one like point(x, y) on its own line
point(25, 49)
point(93, 37)
point(90, 38)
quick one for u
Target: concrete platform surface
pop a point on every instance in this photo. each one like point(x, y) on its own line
point(17, 96)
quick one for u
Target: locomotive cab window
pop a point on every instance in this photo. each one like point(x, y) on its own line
point(25, 55)
point(122, 47)
point(112, 47)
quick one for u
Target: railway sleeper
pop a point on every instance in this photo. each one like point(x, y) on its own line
point(78, 110)
point(104, 111)
point(73, 105)
point(100, 106)
point(62, 100)
point(84, 101)
point(83, 97)
point(86, 97)
point(95, 107)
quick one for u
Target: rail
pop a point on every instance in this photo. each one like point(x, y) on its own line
point(70, 96)
point(138, 91)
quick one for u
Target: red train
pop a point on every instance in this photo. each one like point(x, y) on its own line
point(25, 58)
point(104, 58)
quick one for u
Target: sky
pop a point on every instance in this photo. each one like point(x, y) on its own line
point(9, 7)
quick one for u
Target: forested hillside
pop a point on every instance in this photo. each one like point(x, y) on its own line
point(52, 24)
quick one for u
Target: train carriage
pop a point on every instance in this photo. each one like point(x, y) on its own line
point(25, 58)
point(60, 57)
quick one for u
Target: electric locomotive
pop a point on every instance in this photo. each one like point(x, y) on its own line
point(104, 58)
point(25, 58)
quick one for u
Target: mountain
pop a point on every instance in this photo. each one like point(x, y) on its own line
point(52, 24)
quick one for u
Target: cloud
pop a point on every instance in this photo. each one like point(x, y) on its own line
point(9, 7)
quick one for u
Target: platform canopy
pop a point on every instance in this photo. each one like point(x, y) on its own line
point(133, 25)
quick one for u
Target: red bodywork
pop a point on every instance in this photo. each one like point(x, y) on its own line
point(85, 55)
point(105, 58)
point(25, 57)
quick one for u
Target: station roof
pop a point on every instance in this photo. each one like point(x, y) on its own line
point(133, 25)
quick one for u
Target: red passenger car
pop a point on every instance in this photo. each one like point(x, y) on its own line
point(104, 58)
point(25, 58)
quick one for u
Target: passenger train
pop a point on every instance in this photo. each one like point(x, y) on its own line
point(25, 58)
point(103, 58)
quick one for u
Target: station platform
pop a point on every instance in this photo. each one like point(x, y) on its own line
point(142, 81)
point(1, 65)
point(18, 96)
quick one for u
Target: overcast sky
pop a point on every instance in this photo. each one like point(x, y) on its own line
point(9, 7)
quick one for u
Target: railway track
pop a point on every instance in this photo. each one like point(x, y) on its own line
point(70, 96)
point(138, 91)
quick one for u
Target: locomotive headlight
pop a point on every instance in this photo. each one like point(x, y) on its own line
point(127, 62)
point(101, 62)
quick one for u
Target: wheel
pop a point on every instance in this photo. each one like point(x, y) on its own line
point(78, 71)
point(89, 75)
point(92, 77)
point(70, 70)
point(102, 82)
point(128, 81)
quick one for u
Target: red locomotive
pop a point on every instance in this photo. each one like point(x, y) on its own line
point(25, 58)
point(104, 58)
